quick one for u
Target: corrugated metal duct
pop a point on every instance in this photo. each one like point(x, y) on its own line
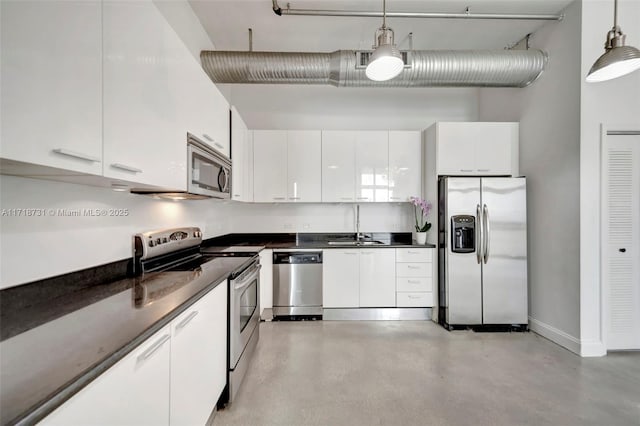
point(426, 68)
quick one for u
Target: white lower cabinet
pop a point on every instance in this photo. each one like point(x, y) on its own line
point(135, 391)
point(414, 277)
point(377, 273)
point(266, 280)
point(198, 358)
point(358, 278)
point(341, 278)
point(174, 378)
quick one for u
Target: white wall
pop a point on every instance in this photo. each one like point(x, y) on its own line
point(391, 217)
point(36, 247)
point(549, 116)
point(612, 102)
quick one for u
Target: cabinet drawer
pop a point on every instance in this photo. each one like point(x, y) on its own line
point(414, 284)
point(414, 299)
point(414, 269)
point(414, 255)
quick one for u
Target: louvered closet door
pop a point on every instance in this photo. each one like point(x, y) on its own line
point(621, 245)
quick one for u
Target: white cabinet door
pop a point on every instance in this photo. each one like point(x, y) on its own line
point(405, 165)
point(495, 143)
point(456, 149)
point(239, 157)
point(304, 166)
point(51, 101)
point(338, 166)
point(377, 278)
point(372, 166)
point(135, 391)
point(270, 165)
point(340, 278)
point(143, 140)
point(477, 149)
point(266, 280)
point(198, 358)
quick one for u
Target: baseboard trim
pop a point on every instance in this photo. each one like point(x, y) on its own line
point(555, 335)
point(592, 348)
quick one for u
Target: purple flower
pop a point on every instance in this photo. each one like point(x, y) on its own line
point(425, 208)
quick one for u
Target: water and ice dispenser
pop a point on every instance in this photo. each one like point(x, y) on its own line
point(463, 234)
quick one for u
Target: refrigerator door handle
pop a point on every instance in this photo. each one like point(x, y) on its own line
point(479, 236)
point(487, 233)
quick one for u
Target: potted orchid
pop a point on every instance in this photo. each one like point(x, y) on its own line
point(421, 209)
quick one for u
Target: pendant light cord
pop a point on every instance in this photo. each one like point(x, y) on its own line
point(615, 14)
point(384, 13)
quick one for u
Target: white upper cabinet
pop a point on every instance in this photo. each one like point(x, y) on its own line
point(144, 142)
point(206, 109)
point(287, 166)
point(338, 166)
point(242, 158)
point(476, 149)
point(372, 166)
point(405, 165)
point(270, 165)
point(52, 84)
point(304, 168)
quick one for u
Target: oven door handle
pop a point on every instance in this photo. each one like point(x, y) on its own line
point(243, 276)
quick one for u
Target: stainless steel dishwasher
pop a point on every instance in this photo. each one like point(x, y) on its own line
point(297, 284)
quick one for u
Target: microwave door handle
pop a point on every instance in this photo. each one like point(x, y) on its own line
point(227, 180)
point(222, 179)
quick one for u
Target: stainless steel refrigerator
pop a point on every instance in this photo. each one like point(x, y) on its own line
point(482, 251)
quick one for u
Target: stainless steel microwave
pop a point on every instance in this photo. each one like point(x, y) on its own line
point(209, 170)
point(208, 174)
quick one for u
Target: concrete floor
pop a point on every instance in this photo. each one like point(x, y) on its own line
point(416, 373)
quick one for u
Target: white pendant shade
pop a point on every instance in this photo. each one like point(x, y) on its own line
point(614, 63)
point(385, 63)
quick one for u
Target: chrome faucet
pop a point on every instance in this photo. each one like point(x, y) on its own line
point(359, 236)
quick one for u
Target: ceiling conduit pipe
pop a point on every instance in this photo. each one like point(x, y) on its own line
point(426, 68)
point(437, 15)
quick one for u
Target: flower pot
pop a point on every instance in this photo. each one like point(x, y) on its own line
point(421, 237)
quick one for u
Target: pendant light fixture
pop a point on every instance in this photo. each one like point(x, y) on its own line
point(385, 61)
point(618, 59)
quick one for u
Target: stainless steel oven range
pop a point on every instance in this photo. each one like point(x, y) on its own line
point(244, 319)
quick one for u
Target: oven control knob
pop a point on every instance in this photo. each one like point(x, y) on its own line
point(158, 241)
point(151, 243)
point(164, 240)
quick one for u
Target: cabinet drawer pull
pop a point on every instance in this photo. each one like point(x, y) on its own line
point(362, 198)
point(413, 252)
point(236, 195)
point(157, 345)
point(207, 137)
point(413, 267)
point(219, 145)
point(366, 252)
point(466, 170)
point(75, 154)
point(279, 198)
point(395, 198)
point(413, 282)
point(187, 320)
point(350, 253)
point(126, 168)
point(484, 170)
point(347, 198)
point(410, 296)
point(294, 198)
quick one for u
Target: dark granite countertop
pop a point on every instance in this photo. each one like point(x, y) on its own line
point(315, 240)
point(57, 339)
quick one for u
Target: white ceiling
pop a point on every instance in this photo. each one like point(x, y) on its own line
point(227, 23)
point(300, 107)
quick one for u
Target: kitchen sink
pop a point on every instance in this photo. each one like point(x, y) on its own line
point(355, 243)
